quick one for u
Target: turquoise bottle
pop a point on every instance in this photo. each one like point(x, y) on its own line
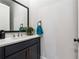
point(39, 28)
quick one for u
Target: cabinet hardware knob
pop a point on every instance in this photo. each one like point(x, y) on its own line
point(76, 40)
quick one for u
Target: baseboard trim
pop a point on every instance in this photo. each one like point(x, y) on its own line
point(42, 57)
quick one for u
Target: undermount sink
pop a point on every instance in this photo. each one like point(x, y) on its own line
point(18, 38)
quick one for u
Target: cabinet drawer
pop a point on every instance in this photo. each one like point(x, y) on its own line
point(19, 46)
point(19, 55)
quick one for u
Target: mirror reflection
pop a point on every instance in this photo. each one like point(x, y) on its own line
point(4, 17)
point(14, 17)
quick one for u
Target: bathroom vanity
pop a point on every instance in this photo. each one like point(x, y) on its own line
point(27, 47)
point(20, 48)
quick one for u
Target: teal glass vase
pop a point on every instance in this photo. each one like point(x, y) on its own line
point(21, 28)
point(39, 29)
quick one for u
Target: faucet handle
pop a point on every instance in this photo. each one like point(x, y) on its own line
point(13, 35)
point(18, 35)
point(21, 34)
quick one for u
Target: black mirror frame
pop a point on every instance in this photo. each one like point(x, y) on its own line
point(27, 16)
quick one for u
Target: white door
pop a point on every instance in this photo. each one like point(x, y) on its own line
point(77, 39)
point(78, 31)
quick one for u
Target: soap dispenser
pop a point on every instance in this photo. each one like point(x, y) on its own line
point(2, 34)
point(39, 28)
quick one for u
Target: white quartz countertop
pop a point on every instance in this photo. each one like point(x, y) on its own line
point(9, 41)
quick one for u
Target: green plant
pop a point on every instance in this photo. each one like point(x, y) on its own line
point(30, 31)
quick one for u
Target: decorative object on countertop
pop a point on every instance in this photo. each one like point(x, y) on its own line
point(2, 34)
point(39, 30)
point(30, 31)
point(21, 29)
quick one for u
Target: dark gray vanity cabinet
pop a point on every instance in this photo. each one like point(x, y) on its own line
point(18, 55)
point(1, 53)
point(33, 52)
point(29, 49)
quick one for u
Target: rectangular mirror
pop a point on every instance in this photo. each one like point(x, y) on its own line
point(15, 14)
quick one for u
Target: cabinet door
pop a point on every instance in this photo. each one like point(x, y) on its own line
point(33, 52)
point(19, 55)
point(1, 53)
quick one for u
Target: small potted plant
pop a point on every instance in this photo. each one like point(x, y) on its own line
point(30, 31)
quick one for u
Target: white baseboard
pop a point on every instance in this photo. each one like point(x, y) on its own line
point(42, 57)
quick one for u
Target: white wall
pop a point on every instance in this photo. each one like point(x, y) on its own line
point(59, 19)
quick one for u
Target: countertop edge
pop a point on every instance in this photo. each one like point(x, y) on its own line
point(6, 42)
